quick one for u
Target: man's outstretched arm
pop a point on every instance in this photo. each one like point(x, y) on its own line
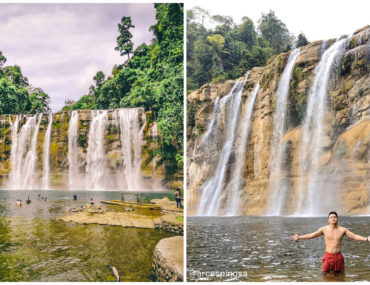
point(353, 236)
point(316, 234)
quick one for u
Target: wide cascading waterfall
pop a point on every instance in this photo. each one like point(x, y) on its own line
point(23, 158)
point(131, 140)
point(96, 162)
point(232, 205)
point(278, 186)
point(211, 191)
point(311, 196)
point(46, 155)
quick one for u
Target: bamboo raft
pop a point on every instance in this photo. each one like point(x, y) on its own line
point(150, 206)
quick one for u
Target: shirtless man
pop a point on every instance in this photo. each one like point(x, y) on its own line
point(333, 259)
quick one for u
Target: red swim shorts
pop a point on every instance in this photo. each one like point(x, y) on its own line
point(333, 262)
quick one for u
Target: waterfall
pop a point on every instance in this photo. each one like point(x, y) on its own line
point(131, 140)
point(310, 200)
point(96, 163)
point(211, 191)
point(73, 170)
point(212, 123)
point(246, 120)
point(46, 155)
point(111, 160)
point(23, 158)
point(278, 187)
point(155, 137)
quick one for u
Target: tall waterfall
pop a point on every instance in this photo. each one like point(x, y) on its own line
point(211, 191)
point(73, 170)
point(131, 139)
point(46, 155)
point(278, 187)
point(23, 174)
point(310, 193)
point(96, 163)
point(232, 206)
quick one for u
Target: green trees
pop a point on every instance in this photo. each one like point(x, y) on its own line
point(124, 43)
point(301, 40)
point(218, 49)
point(225, 51)
point(16, 95)
point(275, 32)
point(2, 59)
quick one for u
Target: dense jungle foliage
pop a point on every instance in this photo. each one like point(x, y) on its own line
point(151, 78)
point(17, 96)
point(218, 49)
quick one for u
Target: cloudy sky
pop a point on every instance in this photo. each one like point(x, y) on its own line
point(317, 19)
point(60, 47)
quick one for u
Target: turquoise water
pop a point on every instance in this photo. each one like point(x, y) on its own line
point(34, 246)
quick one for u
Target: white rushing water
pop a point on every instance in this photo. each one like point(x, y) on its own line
point(131, 140)
point(310, 200)
point(277, 187)
point(212, 125)
point(212, 190)
point(114, 166)
point(232, 205)
point(96, 162)
point(23, 173)
point(46, 155)
point(73, 169)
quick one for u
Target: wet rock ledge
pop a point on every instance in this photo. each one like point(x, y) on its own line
point(168, 260)
point(127, 219)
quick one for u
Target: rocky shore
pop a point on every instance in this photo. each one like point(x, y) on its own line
point(168, 259)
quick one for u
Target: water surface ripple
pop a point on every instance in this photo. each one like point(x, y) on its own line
point(261, 248)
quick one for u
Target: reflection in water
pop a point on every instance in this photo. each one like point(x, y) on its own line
point(34, 246)
point(260, 246)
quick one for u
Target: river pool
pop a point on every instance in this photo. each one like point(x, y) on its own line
point(34, 246)
point(259, 249)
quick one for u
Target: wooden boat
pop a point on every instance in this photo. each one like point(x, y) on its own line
point(150, 206)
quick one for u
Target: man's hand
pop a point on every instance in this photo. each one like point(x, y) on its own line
point(295, 237)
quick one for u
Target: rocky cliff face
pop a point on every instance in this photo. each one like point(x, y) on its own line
point(152, 169)
point(344, 161)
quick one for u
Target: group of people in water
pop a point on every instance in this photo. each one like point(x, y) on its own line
point(28, 200)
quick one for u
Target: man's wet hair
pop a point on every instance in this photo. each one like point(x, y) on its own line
point(333, 212)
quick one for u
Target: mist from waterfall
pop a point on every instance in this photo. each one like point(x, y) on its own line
point(212, 190)
point(46, 155)
point(278, 186)
point(311, 194)
point(233, 202)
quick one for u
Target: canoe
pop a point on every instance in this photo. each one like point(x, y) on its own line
point(150, 206)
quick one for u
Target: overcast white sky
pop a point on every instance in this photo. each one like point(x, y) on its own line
point(317, 19)
point(60, 47)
